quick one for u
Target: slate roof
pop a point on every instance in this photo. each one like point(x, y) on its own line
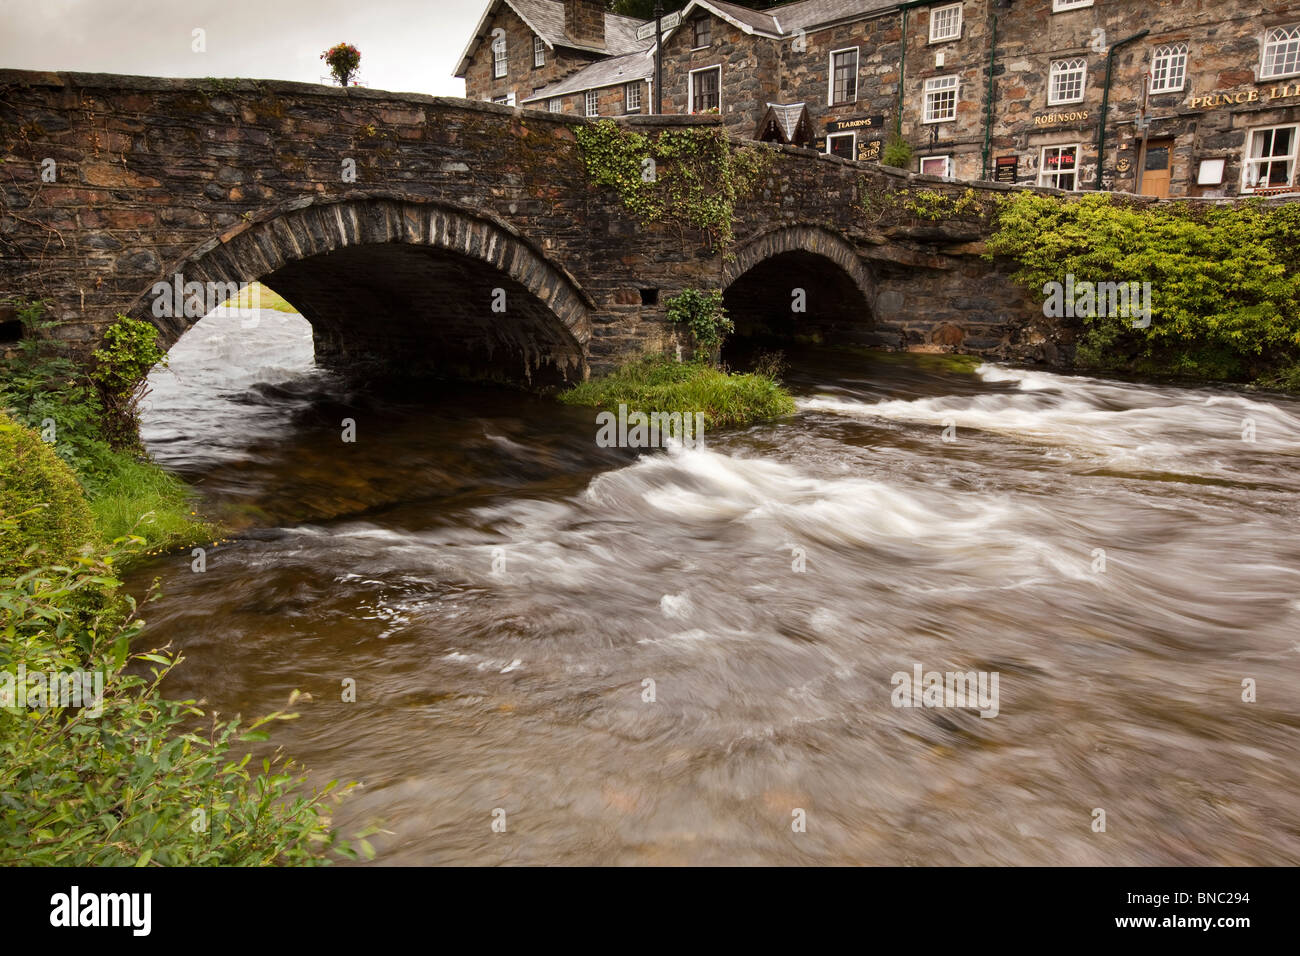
point(789, 18)
point(787, 116)
point(546, 19)
point(608, 72)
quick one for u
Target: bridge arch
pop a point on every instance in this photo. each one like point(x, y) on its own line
point(414, 284)
point(762, 281)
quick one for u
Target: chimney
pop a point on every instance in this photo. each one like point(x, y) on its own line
point(584, 22)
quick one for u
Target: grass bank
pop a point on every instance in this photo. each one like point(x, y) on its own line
point(659, 384)
point(127, 493)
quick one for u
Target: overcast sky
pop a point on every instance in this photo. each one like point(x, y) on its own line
point(406, 45)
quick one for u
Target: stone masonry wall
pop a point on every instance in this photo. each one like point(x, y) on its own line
point(450, 200)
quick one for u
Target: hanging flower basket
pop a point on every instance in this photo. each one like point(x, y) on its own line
point(343, 60)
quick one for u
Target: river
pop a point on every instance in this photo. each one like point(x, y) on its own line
point(688, 656)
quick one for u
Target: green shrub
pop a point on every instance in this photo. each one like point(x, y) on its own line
point(897, 152)
point(704, 315)
point(41, 496)
point(130, 351)
point(655, 383)
point(1225, 280)
point(137, 779)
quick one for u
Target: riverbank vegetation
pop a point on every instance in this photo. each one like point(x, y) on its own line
point(656, 383)
point(1224, 281)
point(89, 419)
point(97, 767)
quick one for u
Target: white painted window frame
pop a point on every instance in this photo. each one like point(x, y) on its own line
point(1170, 54)
point(539, 52)
point(1064, 6)
point(850, 133)
point(947, 164)
point(690, 85)
point(934, 19)
point(830, 73)
point(555, 105)
point(1053, 73)
point(932, 88)
point(500, 60)
point(628, 90)
point(1293, 157)
point(1044, 172)
point(1279, 37)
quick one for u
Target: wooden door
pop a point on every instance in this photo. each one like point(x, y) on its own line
point(1157, 166)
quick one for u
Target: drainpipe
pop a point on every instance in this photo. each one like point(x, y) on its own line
point(659, 57)
point(902, 65)
point(988, 114)
point(1105, 102)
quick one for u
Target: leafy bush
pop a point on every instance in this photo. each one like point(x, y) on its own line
point(136, 779)
point(1225, 280)
point(897, 152)
point(655, 383)
point(121, 367)
point(41, 497)
point(704, 315)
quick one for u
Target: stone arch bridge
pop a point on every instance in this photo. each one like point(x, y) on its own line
point(436, 233)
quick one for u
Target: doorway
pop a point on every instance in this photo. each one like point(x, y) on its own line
point(1157, 166)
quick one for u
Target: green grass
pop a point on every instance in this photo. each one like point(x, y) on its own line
point(658, 384)
point(269, 299)
point(139, 498)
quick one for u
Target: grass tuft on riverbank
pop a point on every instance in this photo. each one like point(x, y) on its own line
point(656, 383)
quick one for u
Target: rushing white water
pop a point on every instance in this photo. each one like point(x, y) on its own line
point(507, 596)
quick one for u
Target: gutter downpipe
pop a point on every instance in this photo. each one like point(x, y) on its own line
point(902, 61)
point(1105, 103)
point(988, 114)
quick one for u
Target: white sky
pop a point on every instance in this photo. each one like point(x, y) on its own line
point(406, 45)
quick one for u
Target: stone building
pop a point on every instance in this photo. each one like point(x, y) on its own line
point(521, 46)
point(1171, 97)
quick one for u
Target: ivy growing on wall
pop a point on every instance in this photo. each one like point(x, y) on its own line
point(689, 177)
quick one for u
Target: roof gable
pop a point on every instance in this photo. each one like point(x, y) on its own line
point(546, 19)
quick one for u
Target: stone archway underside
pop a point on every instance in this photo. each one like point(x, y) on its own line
point(800, 265)
point(413, 287)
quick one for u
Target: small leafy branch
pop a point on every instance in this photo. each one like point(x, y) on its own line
point(691, 177)
point(704, 315)
point(121, 367)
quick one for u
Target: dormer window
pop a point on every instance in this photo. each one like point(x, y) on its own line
point(702, 32)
